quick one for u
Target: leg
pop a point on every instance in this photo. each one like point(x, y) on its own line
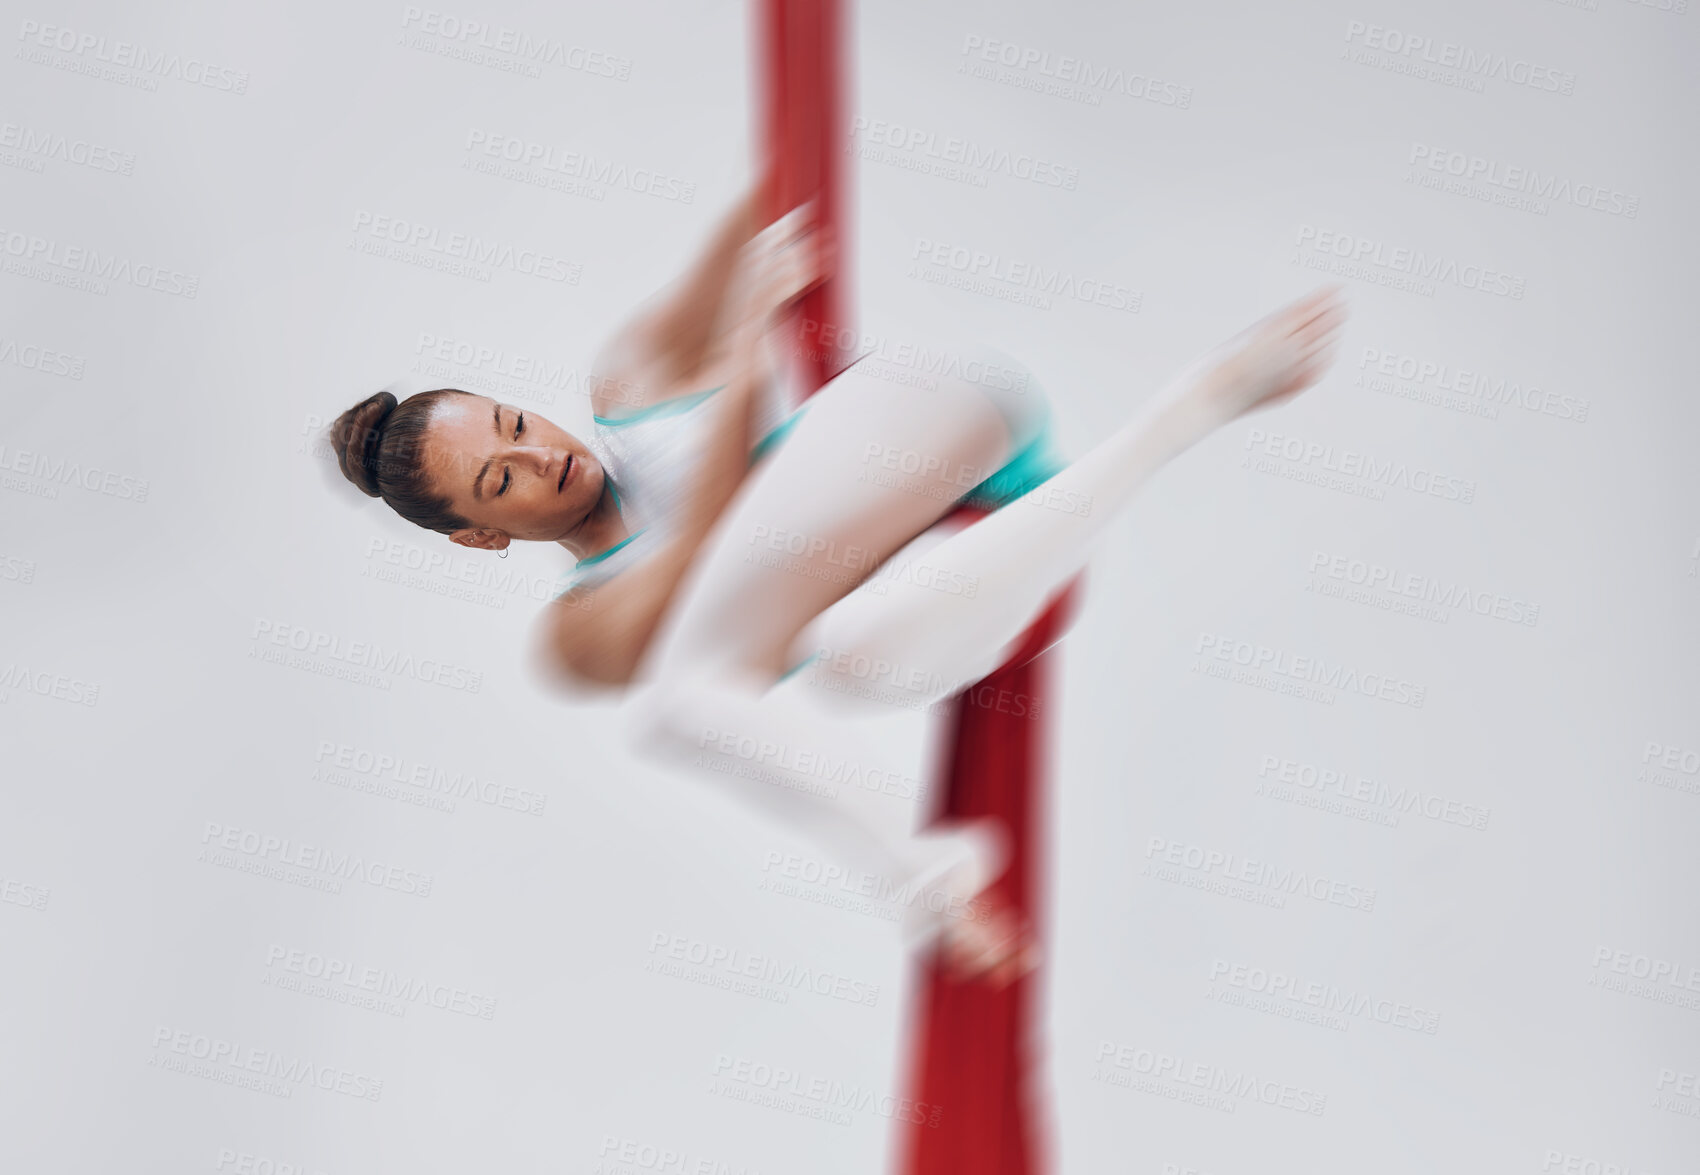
point(870, 466)
point(1020, 556)
point(808, 527)
point(710, 689)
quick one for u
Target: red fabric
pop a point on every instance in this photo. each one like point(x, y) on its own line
point(974, 1051)
point(804, 134)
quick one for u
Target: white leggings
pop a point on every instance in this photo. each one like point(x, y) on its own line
point(865, 478)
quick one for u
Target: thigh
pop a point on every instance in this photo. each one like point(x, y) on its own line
point(867, 468)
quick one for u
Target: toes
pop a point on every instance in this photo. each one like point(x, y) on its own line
point(1320, 318)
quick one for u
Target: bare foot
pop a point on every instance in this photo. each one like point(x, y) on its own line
point(1271, 361)
point(954, 906)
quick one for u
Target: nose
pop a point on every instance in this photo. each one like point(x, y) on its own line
point(542, 459)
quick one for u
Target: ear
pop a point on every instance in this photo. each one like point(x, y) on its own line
point(482, 538)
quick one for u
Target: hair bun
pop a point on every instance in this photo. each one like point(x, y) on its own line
point(356, 435)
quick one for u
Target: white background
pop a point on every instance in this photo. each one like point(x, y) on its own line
point(122, 929)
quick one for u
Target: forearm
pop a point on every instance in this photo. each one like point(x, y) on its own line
point(695, 306)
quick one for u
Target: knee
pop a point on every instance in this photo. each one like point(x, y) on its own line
point(1010, 387)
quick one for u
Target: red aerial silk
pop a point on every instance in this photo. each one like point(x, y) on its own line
point(975, 1053)
point(805, 138)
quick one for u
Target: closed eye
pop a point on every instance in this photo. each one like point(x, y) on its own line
point(503, 488)
point(520, 427)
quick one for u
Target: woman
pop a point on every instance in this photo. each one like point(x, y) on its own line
point(673, 505)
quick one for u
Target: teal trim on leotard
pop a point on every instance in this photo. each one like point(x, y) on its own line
point(799, 666)
point(665, 408)
point(601, 555)
point(1036, 463)
point(779, 432)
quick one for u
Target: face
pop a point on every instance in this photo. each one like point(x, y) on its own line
point(509, 472)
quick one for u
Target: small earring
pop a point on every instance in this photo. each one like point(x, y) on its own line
point(502, 554)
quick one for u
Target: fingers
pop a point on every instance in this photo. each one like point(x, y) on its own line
point(788, 228)
point(1000, 949)
point(1319, 311)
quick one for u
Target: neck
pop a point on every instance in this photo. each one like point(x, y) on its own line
point(601, 528)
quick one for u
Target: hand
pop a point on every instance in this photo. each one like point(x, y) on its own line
point(994, 942)
point(781, 263)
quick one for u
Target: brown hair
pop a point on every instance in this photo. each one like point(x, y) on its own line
point(380, 446)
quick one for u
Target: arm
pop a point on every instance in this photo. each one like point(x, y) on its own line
point(601, 636)
point(669, 339)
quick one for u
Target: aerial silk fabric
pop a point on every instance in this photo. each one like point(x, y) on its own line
point(974, 1052)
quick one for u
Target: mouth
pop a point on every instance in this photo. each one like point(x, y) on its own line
point(566, 471)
